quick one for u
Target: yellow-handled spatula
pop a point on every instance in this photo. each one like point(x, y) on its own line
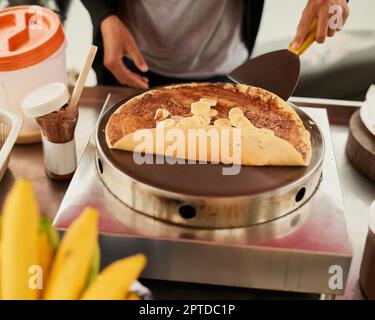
point(276, 71)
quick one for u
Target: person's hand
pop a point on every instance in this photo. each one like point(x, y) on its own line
point(329, 20)
point(118, 42)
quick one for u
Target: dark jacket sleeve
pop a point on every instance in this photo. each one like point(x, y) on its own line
point(99, 10)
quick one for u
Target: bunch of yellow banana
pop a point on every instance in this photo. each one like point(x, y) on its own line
point(35, 265)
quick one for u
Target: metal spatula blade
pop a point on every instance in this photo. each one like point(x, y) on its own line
point(276, 71)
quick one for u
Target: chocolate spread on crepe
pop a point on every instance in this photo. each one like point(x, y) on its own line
point(285, 135)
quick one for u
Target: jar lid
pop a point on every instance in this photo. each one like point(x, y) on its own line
point(29, 35)
point(45, 99)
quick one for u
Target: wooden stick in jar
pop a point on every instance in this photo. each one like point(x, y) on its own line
point(78, 88)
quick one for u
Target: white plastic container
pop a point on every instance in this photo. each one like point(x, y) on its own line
point(35, 55)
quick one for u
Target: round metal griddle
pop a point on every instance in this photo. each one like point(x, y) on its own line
point(199, 195)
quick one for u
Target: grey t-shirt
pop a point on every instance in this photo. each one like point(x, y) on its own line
point(187, 38)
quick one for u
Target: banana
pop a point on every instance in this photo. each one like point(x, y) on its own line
point(222, 122)
point(191, 122)
point(94, 267)
point(114, 282)
point(19, 248)
point(0, 269)
point(51, 232)
point(234, 112)
point(213, 113)
point(132, 296)
point(200, 108)
point(45, 254)
point(211, 102)
point(48, 239)
point(166, 123)
point(161, 114)
point(71, 265)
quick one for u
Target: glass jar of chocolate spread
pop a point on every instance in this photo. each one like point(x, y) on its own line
point(367, 271)
point(48, 105)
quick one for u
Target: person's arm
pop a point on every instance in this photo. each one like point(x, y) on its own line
point(320, 10)
point(117, 42)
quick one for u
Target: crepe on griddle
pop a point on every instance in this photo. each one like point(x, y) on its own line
point(273, 134)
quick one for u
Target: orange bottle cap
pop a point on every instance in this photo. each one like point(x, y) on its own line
point(28, 35)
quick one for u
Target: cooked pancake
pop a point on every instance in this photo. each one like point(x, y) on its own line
point(275, 134)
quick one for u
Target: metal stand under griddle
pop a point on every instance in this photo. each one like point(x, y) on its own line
point(299, 252)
